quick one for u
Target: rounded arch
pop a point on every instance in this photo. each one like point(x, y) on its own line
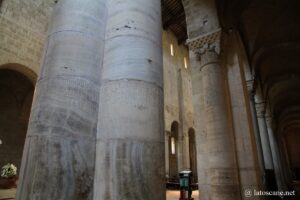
point(16, 91)
point(26, 71)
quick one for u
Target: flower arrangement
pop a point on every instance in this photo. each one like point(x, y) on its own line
point(9, 170)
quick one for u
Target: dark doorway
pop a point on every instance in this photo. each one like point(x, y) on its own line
point(16, 92)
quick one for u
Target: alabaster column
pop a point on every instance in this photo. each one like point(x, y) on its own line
point(58, 158)
point(130, 155)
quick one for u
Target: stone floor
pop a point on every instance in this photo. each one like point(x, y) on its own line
point(174, 195)
point(7, 194)
point(171, 195)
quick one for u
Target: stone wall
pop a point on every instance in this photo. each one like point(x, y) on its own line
point(172, 67)
point(178, 106)
point(23, 27)
point(22, 35)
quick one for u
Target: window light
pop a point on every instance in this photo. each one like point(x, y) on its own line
point(172, 49)
point(173, 146)
point(185, 63)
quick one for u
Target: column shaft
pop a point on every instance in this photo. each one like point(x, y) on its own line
point(258, 142)
point(130, 161)
point(183, 138)
point(200, 134)
point(58, 159)
point(263, 130)
point(222, 169)
point(266, 148)
point(275, 154)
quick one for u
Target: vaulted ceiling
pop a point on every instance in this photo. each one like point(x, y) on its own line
point(270, 30)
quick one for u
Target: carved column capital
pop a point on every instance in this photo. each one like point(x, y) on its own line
point(260, 109)
point(209, 42)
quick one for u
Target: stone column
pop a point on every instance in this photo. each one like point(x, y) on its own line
point(221, 181)
point(269, 172)
point(275, 153)
point(200, 134)
point(58, 158)
point(183, 137)
point(258, 143)
point(263, 132)
point(238, 78)
point(130, 161)
point(216, 155)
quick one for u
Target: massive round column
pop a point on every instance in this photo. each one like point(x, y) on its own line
point(222, 172)
point(130, 141)
point(58, 159)
point(218, 175)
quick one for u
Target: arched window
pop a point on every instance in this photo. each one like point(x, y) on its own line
point(173, 146)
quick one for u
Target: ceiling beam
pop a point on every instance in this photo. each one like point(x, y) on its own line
point(174, 19)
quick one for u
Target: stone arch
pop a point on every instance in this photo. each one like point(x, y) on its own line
point(26, 71)
point(16, 91)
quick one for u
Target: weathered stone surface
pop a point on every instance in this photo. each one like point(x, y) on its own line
point(246, 152)
point(221, 156)
point(217, 169)
point(57, 168)
point(130, 148)
point(59, 154)
point(201, 17)
point(130, 172)
point(215, 139)
point(178, 106)
point(23, 31)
